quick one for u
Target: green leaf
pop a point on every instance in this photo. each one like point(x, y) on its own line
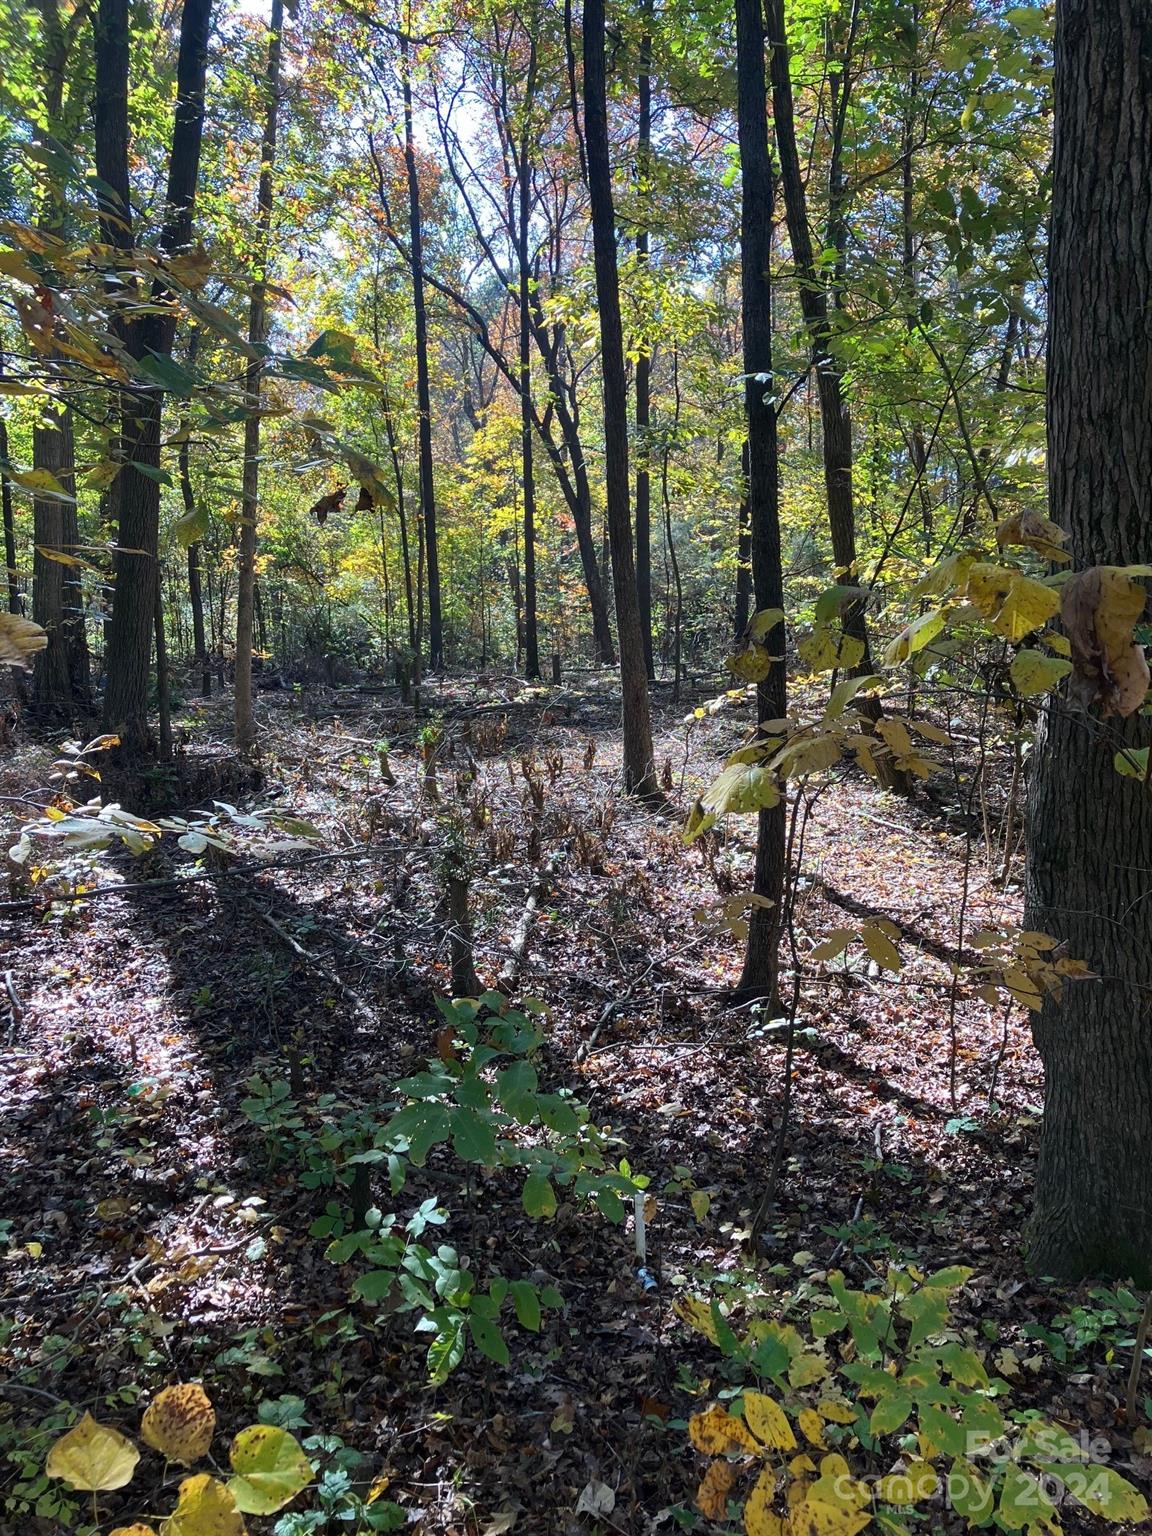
point(376, 1285)
point(945, 1432)
point(162, 369)
point(539, 1197)
point(1033, 672)
point(1022, 1500)
point(192, 527)
point(270, 1469)
point(969, 1494)
point(1132, 762)
point(526, 1300)
point(473, 1139)
point(488, 1339)
point(890, 1413)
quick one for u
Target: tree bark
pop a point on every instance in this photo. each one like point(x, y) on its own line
point(1090, 830)
point(639, 769)
point(14, 603)
point(245, 719)
point(760, 974)
point(137, 572)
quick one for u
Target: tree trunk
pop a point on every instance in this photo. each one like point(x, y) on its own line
point(245, 719)
point(639, 769)
point(137, 575)
point(57, 601)
point(757, 204)
point(14, 604)
point(1090, 830)
point(423, 389)
point(742, 610)
point(195, 584)
point(528, 481)
point(644, 359)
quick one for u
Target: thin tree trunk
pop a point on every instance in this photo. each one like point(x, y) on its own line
point(528, 482)
point(245, 719)
point(1090, 830)
point(644, 356)
point(423, 389)
point(760, 975)
point(195, 583)
point(163, 679)
point(14, 604)
point(639, 769)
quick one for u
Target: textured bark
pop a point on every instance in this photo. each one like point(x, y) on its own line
point(14, 603)
point(423, 388)
point(131, 629)
point(1090, 831)
point(639, 769)
point(757, 201)
point(245, 719)
point(195, 582)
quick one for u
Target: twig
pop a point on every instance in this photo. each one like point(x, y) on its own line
point(518, 948)
point(358, 1003)
point(1138, 1359)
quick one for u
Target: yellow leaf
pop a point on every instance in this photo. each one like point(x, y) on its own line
point(811, 1426)
point(880, 947)
point(378, 1489)
point(807, 1368)
point(835, 944)
point(836, 1485)
point(698, 1315)
point(838, 1412)
point(758, 1517)
point(180, 1423)
point(40, 482)
point(800, 1466)
point(767, 1422)
point(813, 1518)
point(712, 1494)
point(913, 1486)
point(1012, 604)
point(914, 637)
point(751, 663)
point(764, 622)
point(1035, 531)
point(139, 1529)
point(715, 1431)
point(92, 1457)
point(204, 1508)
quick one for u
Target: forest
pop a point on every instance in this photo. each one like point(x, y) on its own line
point(575, 727)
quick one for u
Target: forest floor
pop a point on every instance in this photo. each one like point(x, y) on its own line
point(150, 1233)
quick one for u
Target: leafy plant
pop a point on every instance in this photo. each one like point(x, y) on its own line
point(884, 1411)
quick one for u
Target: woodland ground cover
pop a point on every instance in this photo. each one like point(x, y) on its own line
point(156, 1231)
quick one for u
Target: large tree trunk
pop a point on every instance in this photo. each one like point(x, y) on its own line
point(245, 719)
point(423, 388)
point(639, 769)
point(137, 572)
point(61, 681)
point(1090, 830)
point(757, 199)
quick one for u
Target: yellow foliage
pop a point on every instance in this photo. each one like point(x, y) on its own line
point(180, 1423)
point(767, 1421)
point(205, 1507)
point(715, 1432)
point(92, 1457)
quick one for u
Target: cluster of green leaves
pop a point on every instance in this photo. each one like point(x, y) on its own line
point(886, 1408)
point(481, 1094)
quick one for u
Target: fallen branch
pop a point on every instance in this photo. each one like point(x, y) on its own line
point(518, 948)
point(366, 1012)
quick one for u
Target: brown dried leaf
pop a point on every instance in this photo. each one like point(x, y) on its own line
point(1099, 608)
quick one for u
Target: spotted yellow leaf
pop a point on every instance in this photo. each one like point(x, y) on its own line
point(767, 1422)
point(204, 1508)
point(715, 1431)
point(811, 1427)
point(712, 1494)
point(180, 1423)
point(759, 1519)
